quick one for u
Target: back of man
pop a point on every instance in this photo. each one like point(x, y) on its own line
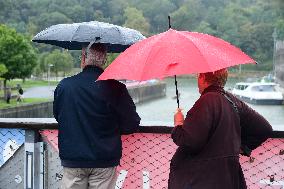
point(92, 115)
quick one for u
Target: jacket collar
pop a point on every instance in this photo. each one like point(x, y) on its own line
point(93, 69)
point(213, 88)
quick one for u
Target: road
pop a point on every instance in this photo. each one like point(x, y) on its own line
point(39, 92)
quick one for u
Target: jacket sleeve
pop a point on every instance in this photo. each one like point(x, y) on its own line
point(55, 109)
point(56, 101)
point(128, 118)
point(196, 127)
point(255, 128)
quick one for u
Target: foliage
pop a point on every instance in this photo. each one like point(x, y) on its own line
point(59, 62)
point(30, 83)
point(280, 29)
point(3, 69)
point(248, 24)
point(16, 53)
point(136, 20)
point(110, 59)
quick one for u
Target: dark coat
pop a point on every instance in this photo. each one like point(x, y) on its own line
point(92, 115)
point(210, 141)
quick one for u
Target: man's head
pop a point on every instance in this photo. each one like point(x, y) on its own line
point(217, 78)
point(96, 55)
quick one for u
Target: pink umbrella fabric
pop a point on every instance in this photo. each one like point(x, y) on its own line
point(174, 53)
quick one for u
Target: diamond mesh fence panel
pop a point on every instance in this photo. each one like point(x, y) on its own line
point(265, 167)
point(146, 159)
point(144, 163)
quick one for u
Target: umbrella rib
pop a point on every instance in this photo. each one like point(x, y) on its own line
point(197, 49)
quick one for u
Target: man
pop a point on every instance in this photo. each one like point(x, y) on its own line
point(92, 115)
point(8, 95)
point(215, 131)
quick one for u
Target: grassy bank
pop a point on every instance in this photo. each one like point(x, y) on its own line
point(26, 85)
point(30, 83)
point(14, 103)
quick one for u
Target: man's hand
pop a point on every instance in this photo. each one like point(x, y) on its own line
point(178, 117)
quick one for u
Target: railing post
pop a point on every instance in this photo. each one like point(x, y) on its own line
point(34, 161)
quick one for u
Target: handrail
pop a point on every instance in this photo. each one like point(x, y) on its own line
point(50, 123)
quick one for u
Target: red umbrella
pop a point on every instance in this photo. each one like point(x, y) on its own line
point(174, 53)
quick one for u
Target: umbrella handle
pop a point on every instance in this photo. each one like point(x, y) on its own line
point(177, 91)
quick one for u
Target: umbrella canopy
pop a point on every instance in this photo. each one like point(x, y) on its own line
point(77, 35)
point(174, 53)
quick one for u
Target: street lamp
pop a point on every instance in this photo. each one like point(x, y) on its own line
point(274, 35)
point(48, 72)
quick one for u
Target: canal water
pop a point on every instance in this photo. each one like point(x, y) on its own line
point(159, 112)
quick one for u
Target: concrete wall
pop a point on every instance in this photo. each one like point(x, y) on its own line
point(147, 92)
point(139, 94)
point(53, 169)
point(38, 110)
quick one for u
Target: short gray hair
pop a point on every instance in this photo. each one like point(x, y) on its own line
point(96, 55)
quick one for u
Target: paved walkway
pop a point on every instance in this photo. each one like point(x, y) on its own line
point(39, 92)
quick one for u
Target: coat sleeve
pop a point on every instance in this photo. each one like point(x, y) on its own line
point(255, 128)
point(196, 127)
point(128, 118)
point(55, 103)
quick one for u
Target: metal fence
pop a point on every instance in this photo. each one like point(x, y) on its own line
point(144, 163)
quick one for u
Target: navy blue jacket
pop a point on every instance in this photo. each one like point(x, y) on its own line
point(92, 115)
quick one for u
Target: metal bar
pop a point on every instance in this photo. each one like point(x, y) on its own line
point(34, 165)
point(29, 170)
point(50, 123)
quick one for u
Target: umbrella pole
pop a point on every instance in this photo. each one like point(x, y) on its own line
point(177, 91)
point(170, 26)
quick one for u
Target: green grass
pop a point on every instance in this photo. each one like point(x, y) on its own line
point(13, 102)
point(30, 83)
point(27, 84)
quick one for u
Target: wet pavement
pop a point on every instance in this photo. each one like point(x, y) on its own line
point(39, 92)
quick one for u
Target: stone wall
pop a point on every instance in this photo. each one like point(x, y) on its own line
point(147, 92)
point(37, 110)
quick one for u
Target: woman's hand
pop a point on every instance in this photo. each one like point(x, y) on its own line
point(178, 117)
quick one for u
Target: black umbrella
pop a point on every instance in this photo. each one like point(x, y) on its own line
point(77, 35)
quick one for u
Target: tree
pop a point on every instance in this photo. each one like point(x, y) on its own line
point(48, 19)
point(3, 69)
point(16, 53)
point(110, 58)
point(280, 29)
point(188, 16)
point(135, 19)
point(61, 61)
point(204, 27)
